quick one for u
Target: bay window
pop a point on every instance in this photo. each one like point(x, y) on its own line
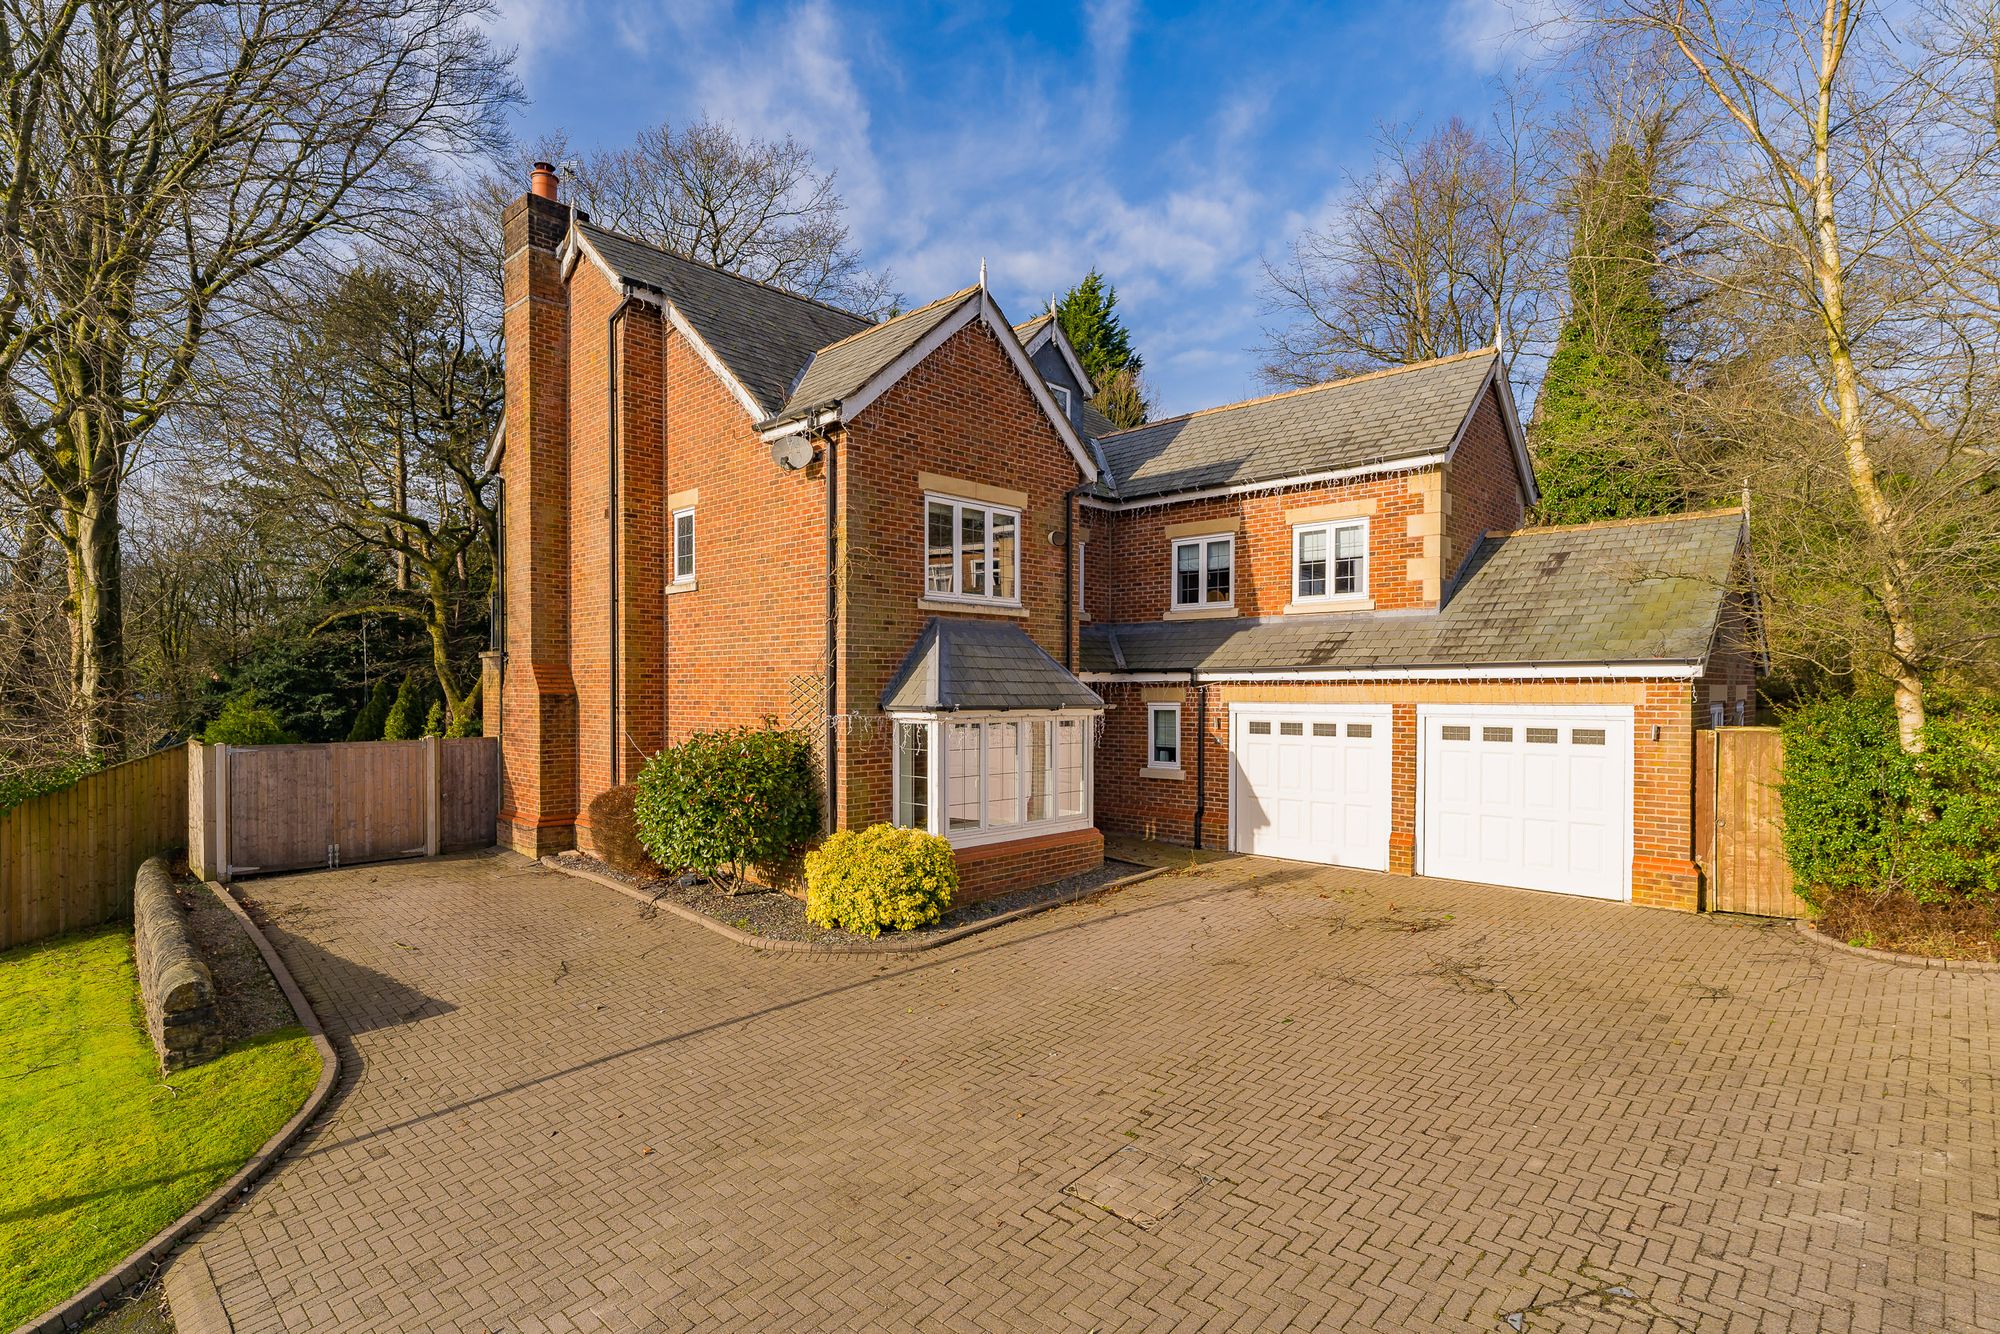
point(971, 551)
point(999, 777)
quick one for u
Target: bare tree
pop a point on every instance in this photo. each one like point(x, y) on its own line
point(1852, 181)
point(156, 157)
point(371, 421)
point(1442, 247)
point(758, 207)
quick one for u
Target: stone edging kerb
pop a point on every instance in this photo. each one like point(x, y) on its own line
point(1820, 938)
point(884, 945)
point(140, 1265)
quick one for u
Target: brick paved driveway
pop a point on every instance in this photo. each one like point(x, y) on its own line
point(566, 1117)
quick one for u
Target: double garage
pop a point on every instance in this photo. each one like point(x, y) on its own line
point(1539, 798)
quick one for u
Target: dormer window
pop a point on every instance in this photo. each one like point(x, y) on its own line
point(1062, 395)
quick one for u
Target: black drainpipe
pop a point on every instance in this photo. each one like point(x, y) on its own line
point(613, 525)
point(1200, 754)
point(832, 628)
point(1069, 574)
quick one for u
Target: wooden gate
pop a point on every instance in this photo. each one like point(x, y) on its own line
point(1740, 824)
point(256, 809)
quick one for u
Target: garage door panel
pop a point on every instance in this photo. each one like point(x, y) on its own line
point(1304, 789)
point(1513, 799)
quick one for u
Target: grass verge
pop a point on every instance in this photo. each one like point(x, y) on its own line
point(101, 1150)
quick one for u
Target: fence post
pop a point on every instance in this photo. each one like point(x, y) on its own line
point(433, 795)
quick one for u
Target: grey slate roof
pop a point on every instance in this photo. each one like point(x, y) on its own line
point(840, 369)
point(965, 664)
point(763, 335)
point(1649, 591)
point(1374, 418)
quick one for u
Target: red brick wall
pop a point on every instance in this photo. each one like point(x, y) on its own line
point(538, 701)
point(965, 413)
point(1132, 556)
point(1482, 484)
point(1001, 868)
point(727, 650)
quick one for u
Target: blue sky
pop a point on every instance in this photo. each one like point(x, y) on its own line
point(1173, 146)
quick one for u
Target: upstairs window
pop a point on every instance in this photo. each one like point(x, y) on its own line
point(1205, 572)
point(1330, 560)
point(683, 546)
point(972, 551)
point(1061, 393)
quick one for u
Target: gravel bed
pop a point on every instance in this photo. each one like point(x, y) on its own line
point(775, 915)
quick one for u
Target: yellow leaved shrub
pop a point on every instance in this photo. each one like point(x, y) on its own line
point(879, 879)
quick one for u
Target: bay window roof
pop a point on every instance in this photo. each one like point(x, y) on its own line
point(959, 664)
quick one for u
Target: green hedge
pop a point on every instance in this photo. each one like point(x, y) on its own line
point(1861, 815)
point(245, 722)
point(879, 878)
point(722, 802)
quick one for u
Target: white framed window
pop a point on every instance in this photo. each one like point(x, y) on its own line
point(1330, 560)
point(683, 546)
point(994, 777)
point(972, 552)
point(1163, 736)
point(1061, 392)
point(1205, 571)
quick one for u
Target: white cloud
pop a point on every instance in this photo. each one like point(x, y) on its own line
point(1497, 35)
point(536, 29)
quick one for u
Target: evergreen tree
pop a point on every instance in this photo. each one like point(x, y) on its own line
point(1600, 450)
point(374, 715)
point(1088, 314)
point(408, 714)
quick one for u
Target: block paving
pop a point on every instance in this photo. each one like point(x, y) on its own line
point(1359, 1102)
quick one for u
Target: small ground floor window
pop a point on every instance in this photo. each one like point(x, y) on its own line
point(1001, 776)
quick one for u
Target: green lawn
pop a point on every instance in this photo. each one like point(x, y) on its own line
point(101, 1151)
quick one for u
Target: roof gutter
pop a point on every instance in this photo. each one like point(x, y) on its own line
point(1574, 671)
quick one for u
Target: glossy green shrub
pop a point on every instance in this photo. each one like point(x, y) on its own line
point(1860, 815)
point(722, 802)
point(879, 878)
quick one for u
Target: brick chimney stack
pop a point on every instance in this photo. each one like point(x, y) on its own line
point(538, 711)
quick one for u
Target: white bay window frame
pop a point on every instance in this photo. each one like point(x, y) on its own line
point(999, 826)
point(986, 557)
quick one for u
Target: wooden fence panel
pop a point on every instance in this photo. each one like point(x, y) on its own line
point(378, 805)
point(67, 857)
point(1739, 822)
point(280, 815)
point(468, 792)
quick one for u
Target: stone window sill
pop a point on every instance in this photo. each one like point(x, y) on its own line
point(972, 608)
point(1198, 613)
point(1172, 775)
point(1311, 605)
point(683, 586)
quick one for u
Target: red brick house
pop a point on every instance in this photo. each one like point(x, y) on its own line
point(1309, 626)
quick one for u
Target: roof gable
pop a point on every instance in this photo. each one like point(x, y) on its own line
point(758, 337)
point(1402, 415)
point(844, 378)
point(1047, 329)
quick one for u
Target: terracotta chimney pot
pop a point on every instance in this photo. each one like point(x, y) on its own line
point(544, 181)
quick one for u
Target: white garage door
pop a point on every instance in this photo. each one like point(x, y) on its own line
point(1541, 799)
point(1311, 783)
